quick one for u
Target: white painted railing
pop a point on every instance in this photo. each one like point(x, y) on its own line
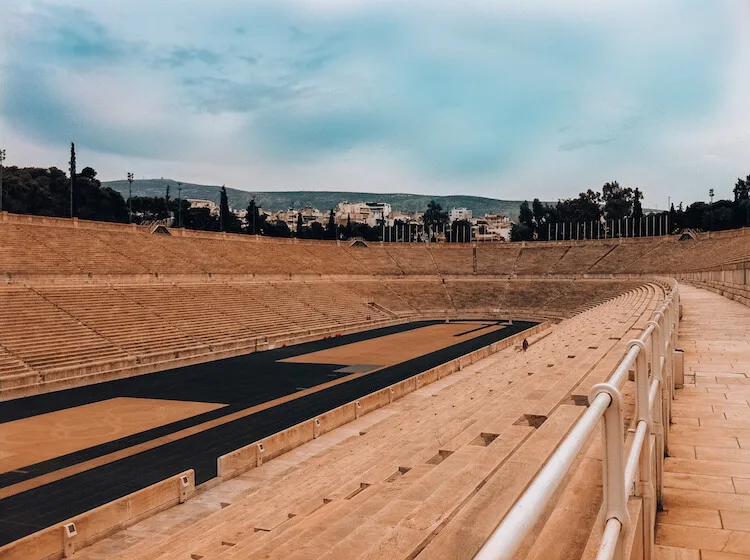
point(651, 356)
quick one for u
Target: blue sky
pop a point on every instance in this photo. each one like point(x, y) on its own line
point(505, 99)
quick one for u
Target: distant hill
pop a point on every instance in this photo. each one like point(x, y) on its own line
point(273, 201)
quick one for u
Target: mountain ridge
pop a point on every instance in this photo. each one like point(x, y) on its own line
point(323, 200)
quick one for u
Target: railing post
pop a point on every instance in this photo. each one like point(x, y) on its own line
point(658, 417)
point(644, 486)
point(666, 377)
point(613, 463)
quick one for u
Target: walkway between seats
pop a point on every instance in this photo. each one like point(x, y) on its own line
point(707, 475)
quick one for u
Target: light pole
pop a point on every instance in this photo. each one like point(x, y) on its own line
point(711, 196)
point(179, 202)
point(130, 198)
point(2, 164)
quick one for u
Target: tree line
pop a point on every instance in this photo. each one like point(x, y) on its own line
point(47, 192)
point(617, 211)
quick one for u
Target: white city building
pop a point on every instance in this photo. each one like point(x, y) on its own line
point(459, 214)
point(370, 213)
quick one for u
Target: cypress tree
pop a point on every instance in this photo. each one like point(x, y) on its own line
point(223, 209)
point(252, 218)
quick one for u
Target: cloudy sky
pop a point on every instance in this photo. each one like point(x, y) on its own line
point(487, 97)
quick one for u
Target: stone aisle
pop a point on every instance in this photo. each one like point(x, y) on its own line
point(707, 475)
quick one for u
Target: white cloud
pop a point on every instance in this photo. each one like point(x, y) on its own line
point(612, 122)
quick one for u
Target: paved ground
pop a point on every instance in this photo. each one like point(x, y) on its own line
point(97, 443)
point(707, 475)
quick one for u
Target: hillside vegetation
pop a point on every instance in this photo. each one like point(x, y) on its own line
point(273, 201)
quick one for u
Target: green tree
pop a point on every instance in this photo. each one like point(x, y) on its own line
point(637, 208)
point(618, 201)
point(33, 190)
point(254, 219)
point(223, 208)
point(524, 229)
point(525, 215)
point(673, 219)
point(149, 208)
point(200, 219)
point(314, 231)
point(539, 211)
point(435, 217)
point(278, 228)
point(228, 219)
point(331, 227)
point(742, 189)
point(300, 224)
point(93, 202)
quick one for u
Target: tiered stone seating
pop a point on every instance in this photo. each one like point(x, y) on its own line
point(714, 252)
point(36, 246)
point(580, 258)
point(197, 317)
point(330, 259)
point(22, 254)
point(11, 366)
point(413, 260)
point(131, 326)
point(430, 480)
point(485, 295)
point(497, 259)
point(244, 306)
point(668, 255)
point(90, 253)
point(46, 338)
point(147, 251)
point(538, 260)
point(376, 259)
point(582, 293)
point(453, 258)
point(380, 293)
point(209, 255)
point(331, 303)
point(623, 256)
point(424, 295)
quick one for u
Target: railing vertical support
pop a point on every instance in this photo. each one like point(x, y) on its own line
point(644, 486)
point(613, 463)
point(658, 424)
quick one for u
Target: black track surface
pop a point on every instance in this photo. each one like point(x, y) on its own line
point(240, 382)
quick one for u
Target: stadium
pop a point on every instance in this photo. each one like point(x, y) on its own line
point(177, 394)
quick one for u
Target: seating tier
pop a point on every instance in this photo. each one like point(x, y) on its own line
point(429, 478)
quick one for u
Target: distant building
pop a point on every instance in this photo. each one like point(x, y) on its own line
point(200, 203)
point(405, 217)
point(459, 214)
point(309, 215)
point(370, 213)
point(491, 227)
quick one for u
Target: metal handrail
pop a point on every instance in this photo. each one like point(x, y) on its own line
point(623, 475)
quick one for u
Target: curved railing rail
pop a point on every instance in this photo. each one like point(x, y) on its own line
point(650, 355)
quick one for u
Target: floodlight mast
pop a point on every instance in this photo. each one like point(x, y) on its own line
point(2, 164)
point(130, 198)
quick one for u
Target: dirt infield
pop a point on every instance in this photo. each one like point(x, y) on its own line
point(399, 347)
point(38, 438)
